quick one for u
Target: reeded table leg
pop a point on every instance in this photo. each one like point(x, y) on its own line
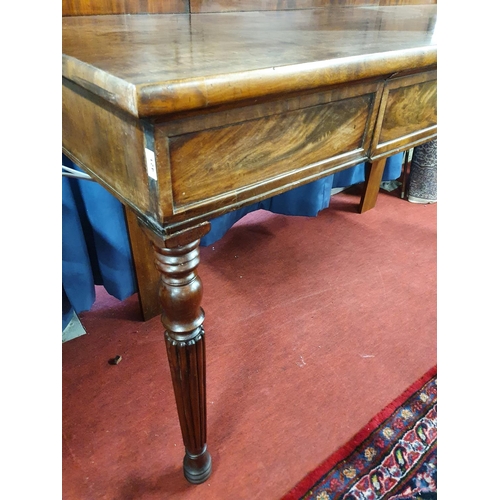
point(180, 297)
point(374, 173)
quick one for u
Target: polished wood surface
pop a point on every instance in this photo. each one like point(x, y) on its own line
point(408, 113)
point(247, 5)
point(329, 127)
point(184, 117)
point(101, 7)
point(152, 65)
point(334, 62)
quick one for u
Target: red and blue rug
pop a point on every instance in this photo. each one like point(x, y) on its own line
point(394, 457)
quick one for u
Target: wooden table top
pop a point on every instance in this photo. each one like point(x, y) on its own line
point(155, 64)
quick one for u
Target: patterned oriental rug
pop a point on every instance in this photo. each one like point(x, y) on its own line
point(394, 457)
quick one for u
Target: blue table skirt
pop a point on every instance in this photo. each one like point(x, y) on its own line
point(96, 247)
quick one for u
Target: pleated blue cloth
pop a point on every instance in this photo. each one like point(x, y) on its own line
point(96, 247)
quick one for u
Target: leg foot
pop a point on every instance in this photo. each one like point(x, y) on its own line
point(197, 468)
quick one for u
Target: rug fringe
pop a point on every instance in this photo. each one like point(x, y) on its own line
point(305, 485)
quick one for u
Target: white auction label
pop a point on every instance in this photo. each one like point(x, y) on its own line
point(151, 164)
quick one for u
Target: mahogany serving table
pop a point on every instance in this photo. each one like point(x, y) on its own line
point(184, 117)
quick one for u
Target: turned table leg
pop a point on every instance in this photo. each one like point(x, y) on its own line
point(374, 173)
point(182, 317)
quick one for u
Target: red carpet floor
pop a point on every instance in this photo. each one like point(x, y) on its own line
point(393, 457)
point(313, 325)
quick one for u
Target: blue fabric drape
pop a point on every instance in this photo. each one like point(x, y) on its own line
point(307, 200)
point(96, 247)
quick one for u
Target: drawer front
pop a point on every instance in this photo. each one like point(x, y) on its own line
point(249, 155)
point(408, 114)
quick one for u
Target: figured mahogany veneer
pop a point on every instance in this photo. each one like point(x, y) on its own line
point(184, 117)
point(408, 114)
point(248, 153)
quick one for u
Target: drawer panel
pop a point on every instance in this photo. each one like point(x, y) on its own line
point(408, 114)
point(255, 155)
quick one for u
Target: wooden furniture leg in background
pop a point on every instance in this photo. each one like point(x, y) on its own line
point(177, 259)
point(147, 276)
point(373, 175)
point(404, 176)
